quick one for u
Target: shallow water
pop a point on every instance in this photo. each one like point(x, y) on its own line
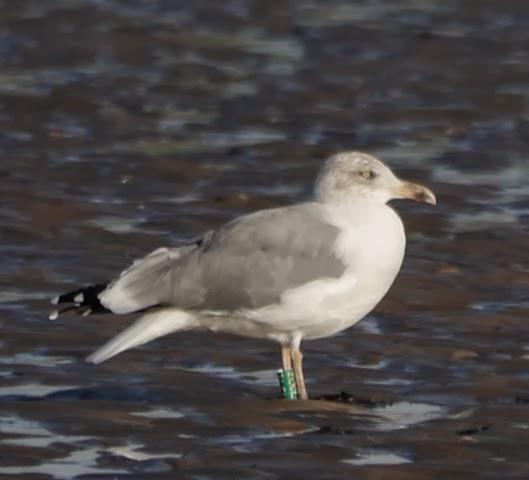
point(127, 125)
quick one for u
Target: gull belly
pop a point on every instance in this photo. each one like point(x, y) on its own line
point(373, 252)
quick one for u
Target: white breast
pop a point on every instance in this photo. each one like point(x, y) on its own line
point(371, 244)
point(372, 241)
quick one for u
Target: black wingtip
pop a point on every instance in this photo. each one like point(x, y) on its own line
point(85, 301)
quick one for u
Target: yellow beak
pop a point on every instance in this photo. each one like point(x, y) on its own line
point(416, 192)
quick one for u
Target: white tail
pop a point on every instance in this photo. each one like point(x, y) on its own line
point(145, 329)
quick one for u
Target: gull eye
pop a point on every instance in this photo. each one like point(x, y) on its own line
point(368, 174)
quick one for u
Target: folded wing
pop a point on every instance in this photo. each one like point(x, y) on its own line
point(247, 263)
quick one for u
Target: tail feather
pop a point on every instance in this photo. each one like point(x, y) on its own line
point(145, 329)
point(85, 301)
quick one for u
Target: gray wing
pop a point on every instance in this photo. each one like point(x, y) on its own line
point(146, 283)
point(247, 263)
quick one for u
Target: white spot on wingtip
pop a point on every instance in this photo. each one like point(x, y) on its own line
point(87, 312)
point(53, 315)
point(79, 298)
point(55, 300)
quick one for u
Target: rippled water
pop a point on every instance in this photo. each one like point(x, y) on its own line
point(126, 125)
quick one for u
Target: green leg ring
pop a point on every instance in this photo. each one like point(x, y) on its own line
point(287, 382)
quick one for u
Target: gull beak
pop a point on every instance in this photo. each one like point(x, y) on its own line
point(416, 192)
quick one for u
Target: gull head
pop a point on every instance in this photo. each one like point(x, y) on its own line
point(355, 176)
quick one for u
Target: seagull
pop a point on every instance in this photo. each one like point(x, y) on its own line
point(288, 274)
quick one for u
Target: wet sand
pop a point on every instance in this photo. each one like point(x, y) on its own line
point(130, 125)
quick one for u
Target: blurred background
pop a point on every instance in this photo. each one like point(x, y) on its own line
point(126, 125)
